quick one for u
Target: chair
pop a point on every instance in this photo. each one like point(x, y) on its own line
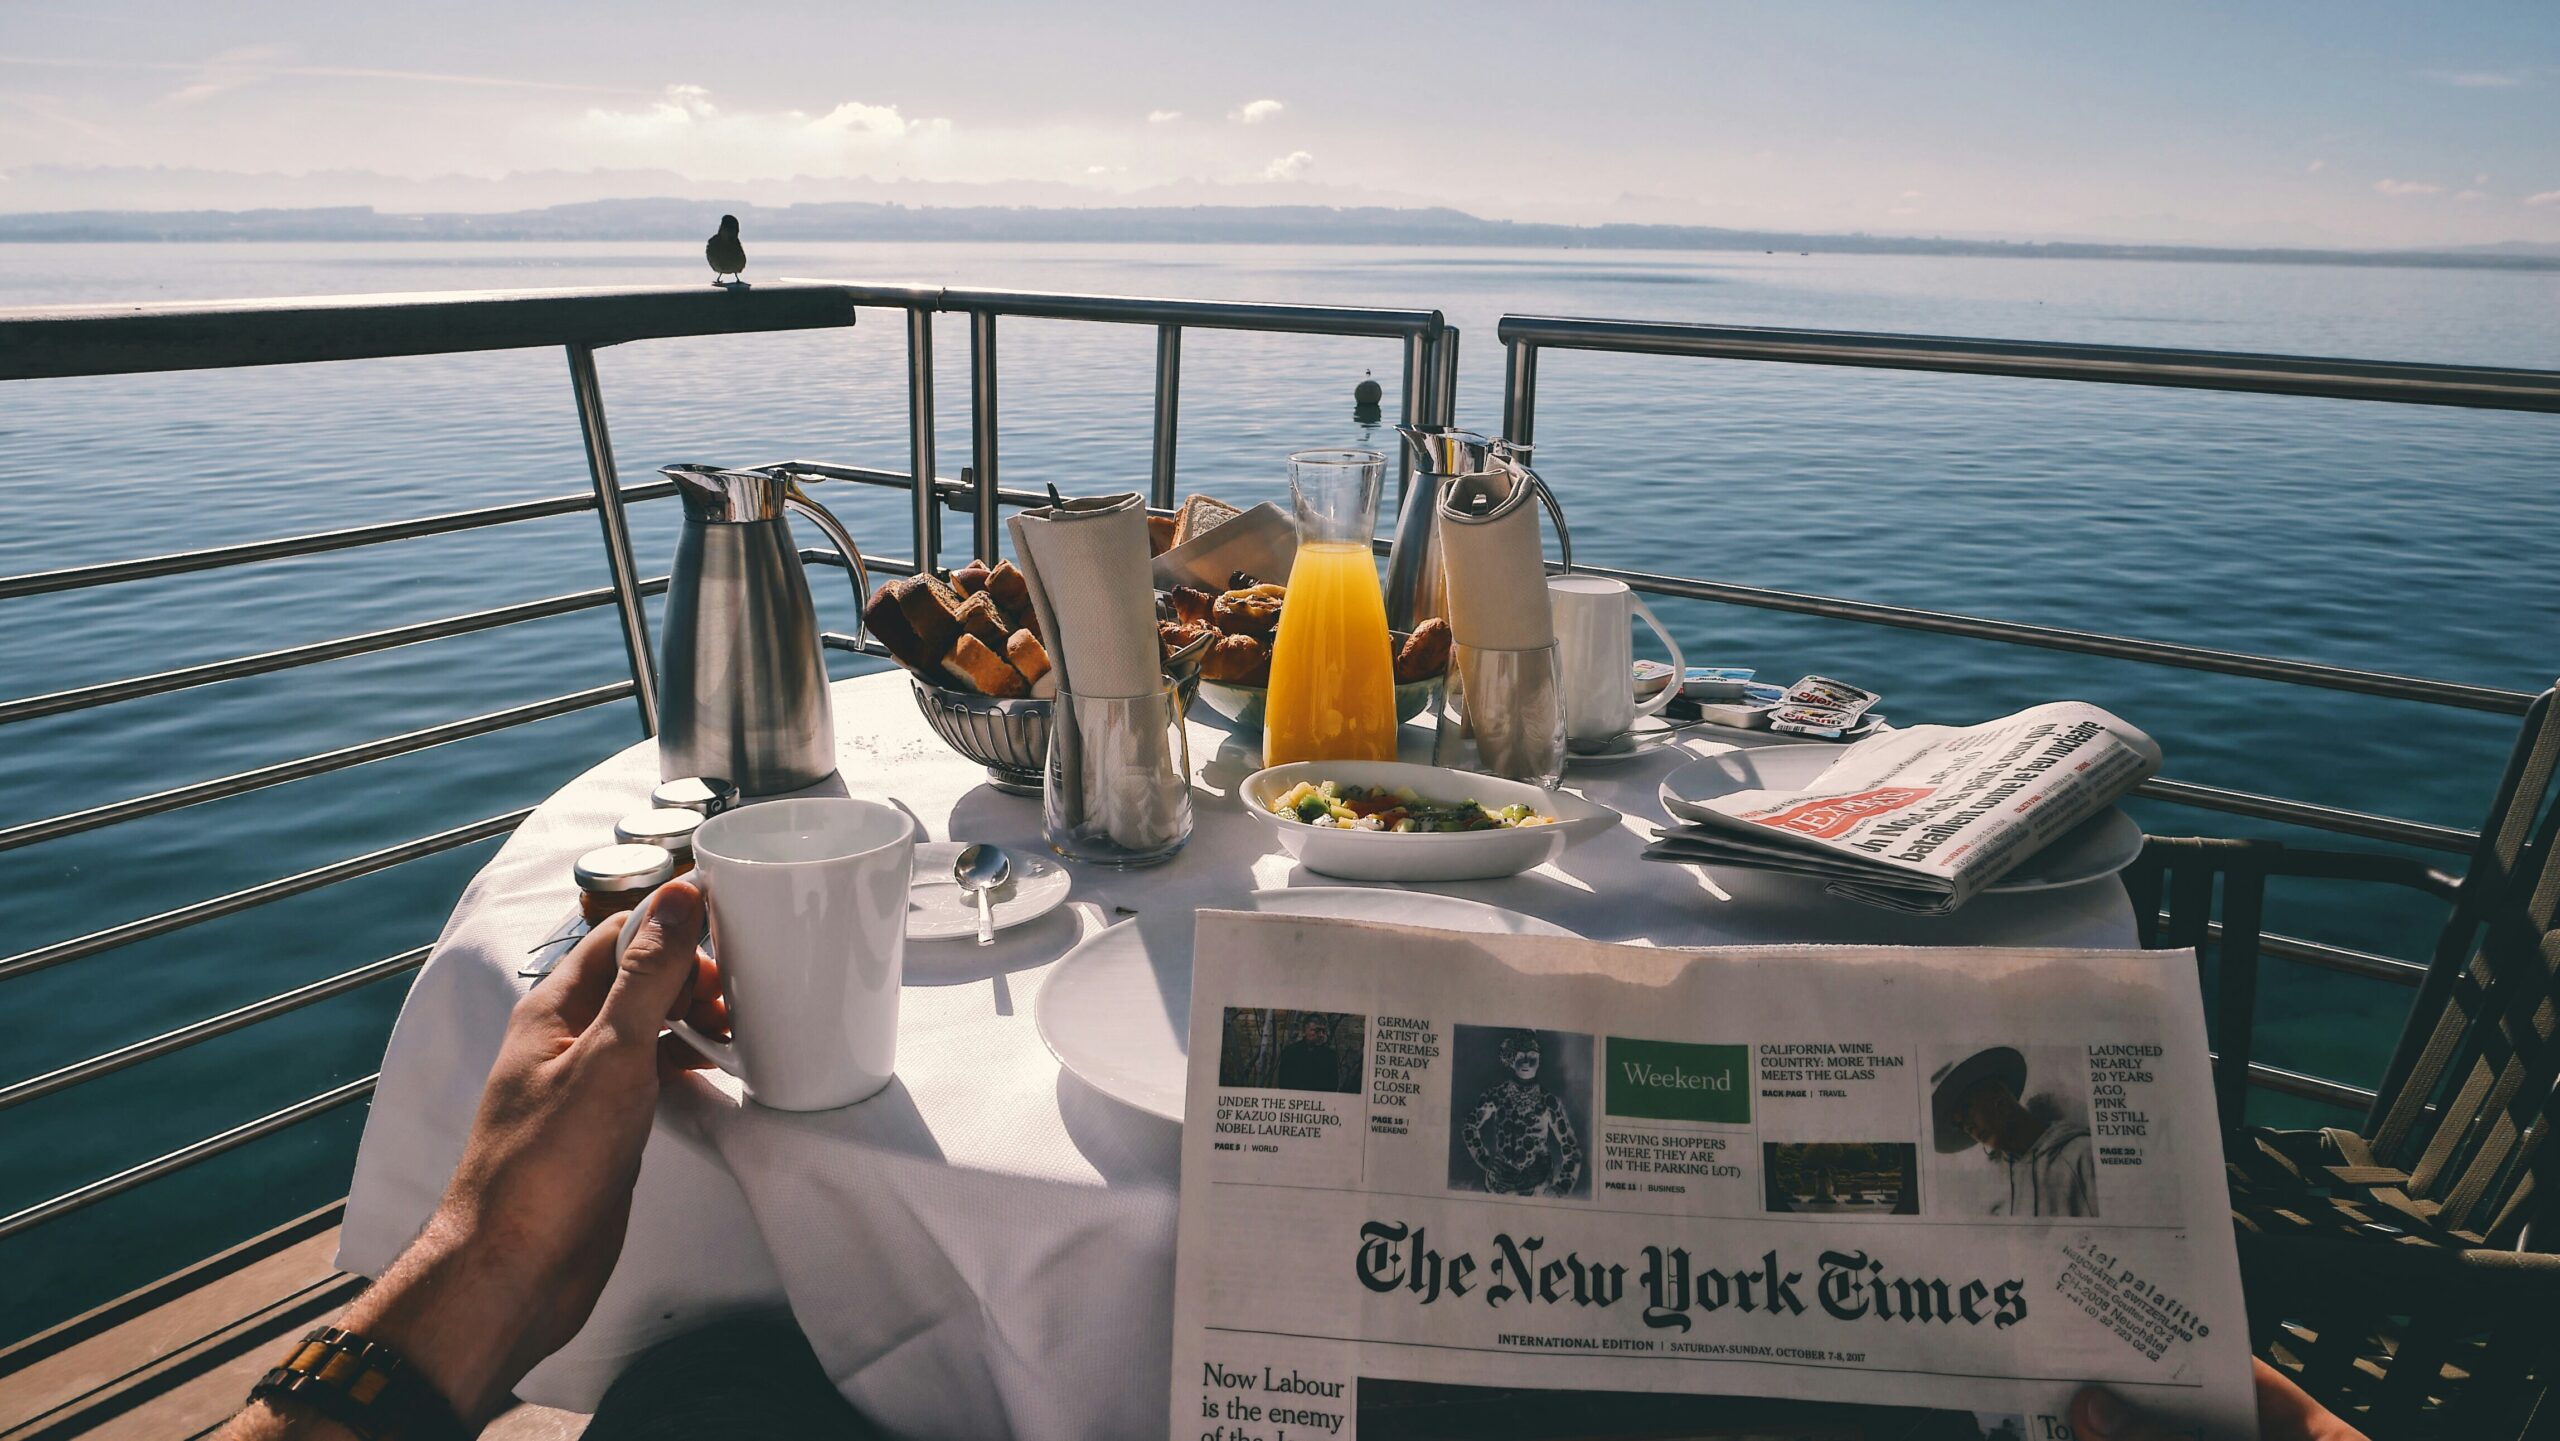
point(2392, 1267)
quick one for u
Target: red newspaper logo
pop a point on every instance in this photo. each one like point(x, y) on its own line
point(1833, 815)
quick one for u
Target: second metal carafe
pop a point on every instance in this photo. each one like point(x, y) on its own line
point(1492, 473)
point(742, 681)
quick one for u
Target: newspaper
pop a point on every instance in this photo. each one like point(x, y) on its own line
point(1923, 819)
point(1511, 1187)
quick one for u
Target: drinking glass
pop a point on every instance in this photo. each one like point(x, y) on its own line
point(1119, 778)
point(1333, 690)
point(1503, 714)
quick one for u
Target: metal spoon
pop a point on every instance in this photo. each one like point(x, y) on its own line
point(981, 869)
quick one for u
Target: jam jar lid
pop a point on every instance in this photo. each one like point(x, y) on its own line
point(709, 795)
point(670, 830)
point(611, 869)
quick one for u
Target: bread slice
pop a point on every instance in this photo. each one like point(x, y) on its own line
point(887, 619)
point(931, 612)
point(979, 617)
point(980, 669)
point(1027, 655)
point(1011, 591)
point(1199, 516)
point(970, 579)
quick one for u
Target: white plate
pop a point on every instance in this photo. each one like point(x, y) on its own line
point(1116, 1010)
point(1454, 856)
point(938, 910)
point(1641, 739)
point(2099, 846)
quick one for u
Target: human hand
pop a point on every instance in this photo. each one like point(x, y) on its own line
point(2285, 1413)
point(513, 1259)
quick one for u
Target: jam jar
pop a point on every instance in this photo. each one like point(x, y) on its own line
point(613, 879)
point(669, 831)
point(708, 795)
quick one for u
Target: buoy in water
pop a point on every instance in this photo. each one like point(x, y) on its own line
point(1366, 399)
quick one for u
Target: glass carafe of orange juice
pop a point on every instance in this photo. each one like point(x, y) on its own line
point(1333, 692)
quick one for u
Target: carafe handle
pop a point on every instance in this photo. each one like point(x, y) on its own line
point(794, 498)
point(1555, 513)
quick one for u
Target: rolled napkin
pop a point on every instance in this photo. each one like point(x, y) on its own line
point(1498, 613)
point(1087, 566)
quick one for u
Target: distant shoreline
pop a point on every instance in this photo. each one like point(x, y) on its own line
point(687, 221)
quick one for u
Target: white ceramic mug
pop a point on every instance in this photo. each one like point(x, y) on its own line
point(808, 906)
point(1596, 655)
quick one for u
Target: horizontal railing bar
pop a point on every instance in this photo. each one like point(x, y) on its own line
point(2308, 1087)
point(2478, 387)
point(110, 1062)
point(858, 645)
point(290, 657)
point(2151, 652)
point(250, 897)
point(187, 562)
point(2302, 813)
point(64, 340)
point(238, 783)
point(184, 1156)
point(1149, 310)
point(955, 494)
point(2328, 957)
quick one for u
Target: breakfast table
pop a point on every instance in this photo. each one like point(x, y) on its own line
point(985, 1248)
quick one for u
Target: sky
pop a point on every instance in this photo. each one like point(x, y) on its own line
point(2330, 124)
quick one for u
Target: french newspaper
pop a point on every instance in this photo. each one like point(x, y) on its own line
point(1501, 1187)
point(1925, 818)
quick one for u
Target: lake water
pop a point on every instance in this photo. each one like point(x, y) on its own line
point(2390, 537)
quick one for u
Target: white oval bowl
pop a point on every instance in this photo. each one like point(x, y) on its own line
point(1437, 856)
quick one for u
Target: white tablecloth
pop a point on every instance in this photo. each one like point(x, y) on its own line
point(986, 1248)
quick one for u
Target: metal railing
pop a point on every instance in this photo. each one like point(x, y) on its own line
point(90, 341)
point(96, 341)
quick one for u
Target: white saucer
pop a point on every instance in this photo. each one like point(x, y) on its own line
point(1116, 1010)
point(938, 910)
point(2099, 846)
point(1646, 736)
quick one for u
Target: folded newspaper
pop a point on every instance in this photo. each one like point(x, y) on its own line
point(1517, 1188)
point(1924, 819)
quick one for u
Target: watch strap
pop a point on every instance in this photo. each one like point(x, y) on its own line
point(362, 1385)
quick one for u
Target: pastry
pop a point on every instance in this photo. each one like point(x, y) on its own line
point(1191, 605)
point(1238, 660)
point(1159, 534)
point(1425, 653)
point(1252, 612)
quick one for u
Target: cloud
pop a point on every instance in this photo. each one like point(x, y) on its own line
point(2479, 179)
point(1289, 166)
point(2315, 167)
point(2547, 197)
point(1254, 112)
point(2475, 79)
point(685, 128)
point(2389, 186)
point(245, 62)
point(1163, 117)
point(2471, 195)
point(1911, 195)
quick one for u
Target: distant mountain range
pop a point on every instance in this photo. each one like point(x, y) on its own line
point(690, 220)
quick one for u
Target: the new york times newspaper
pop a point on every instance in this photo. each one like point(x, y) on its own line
point(1923, 819)
point(1513, 1187)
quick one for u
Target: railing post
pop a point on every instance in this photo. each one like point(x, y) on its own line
point(927, 494)
point(1168, 414)
point(1444, 413)
point(982, 432)
point(617, 533)
point(1520, 392)
point(1416, 410)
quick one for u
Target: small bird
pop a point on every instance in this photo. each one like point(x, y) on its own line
point(728, 257)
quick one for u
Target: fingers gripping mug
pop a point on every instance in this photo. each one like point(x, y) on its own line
point(1595, 647)
point(808, 910)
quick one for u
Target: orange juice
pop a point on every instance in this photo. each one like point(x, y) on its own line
point(1333, 687)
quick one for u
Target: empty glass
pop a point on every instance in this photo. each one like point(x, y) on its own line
point(1119, 779)
point(1503, 714)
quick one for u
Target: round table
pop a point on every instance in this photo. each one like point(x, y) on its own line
point(985, 1249)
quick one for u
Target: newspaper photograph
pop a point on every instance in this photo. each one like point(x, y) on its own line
point(1923, 819)
point(1444, 1185)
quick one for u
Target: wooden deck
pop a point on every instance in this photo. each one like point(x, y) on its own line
point(175, 1358)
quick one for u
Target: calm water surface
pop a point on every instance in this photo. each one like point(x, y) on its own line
point(2402, 539)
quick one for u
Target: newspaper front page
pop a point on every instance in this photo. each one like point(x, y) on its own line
point(1444, 1185)
point(1923, 819)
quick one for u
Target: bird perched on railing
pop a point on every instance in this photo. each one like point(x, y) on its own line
point(728, 257)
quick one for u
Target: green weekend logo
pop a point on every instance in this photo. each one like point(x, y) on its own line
point(1677, 1081)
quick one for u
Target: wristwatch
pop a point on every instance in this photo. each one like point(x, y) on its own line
point(364, 1386)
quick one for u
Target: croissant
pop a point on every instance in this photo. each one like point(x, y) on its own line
point(1425, 653)
point(1238, 660)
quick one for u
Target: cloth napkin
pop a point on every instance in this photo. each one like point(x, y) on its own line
point(1087, 566)
point(1262, 542)
point(1498, 606)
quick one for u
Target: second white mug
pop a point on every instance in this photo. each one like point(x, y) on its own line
point(1595, 651)
point(808, 908)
